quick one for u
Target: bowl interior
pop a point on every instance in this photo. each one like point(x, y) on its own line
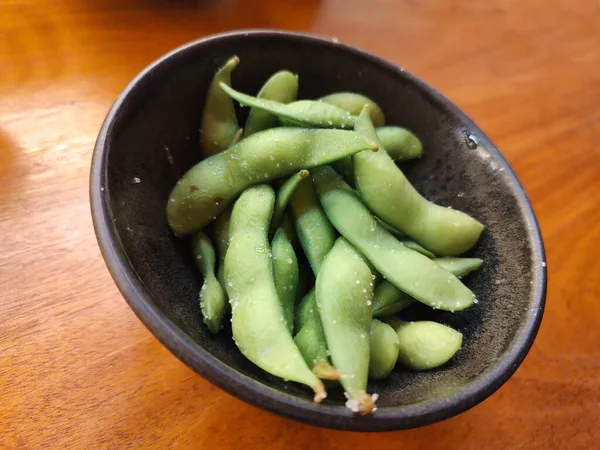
point(152, 137)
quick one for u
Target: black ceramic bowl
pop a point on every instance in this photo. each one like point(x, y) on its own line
point(150, 138)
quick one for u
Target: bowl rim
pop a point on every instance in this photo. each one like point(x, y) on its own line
point(251, 390)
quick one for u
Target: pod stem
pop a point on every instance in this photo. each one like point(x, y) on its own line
point(326, 371)
point(362, 403)
point(320, 392)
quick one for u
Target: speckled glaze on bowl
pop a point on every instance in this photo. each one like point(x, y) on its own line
point(150, 138)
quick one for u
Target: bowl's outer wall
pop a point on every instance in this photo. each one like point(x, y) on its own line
point(151, 138)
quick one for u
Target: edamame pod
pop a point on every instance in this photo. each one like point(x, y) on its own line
point(460, 267)
point(310, 338)
point(284, 193)
point(212, 184)
point(425, 345)
point(212, 297)
point(417, 247)
point(219, 122)
point(288, 227)
point(285, 274)
point(305, 309)
point(384, 350)
point(399, 143)
point(388, 193)
point(389, 300)
point(311, 341)
point(317, 237)
point(302, 112)
point(281, 87)
point(344, 299)
point(404, 239)
point(315, 232)
point(222, 243)
point(258, 325)
point(353, 103)
point(408, 270)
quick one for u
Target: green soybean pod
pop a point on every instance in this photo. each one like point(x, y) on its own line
point(425, 345)
point(257, 322)
point(288, 227)
point(281, 87)
point(212, 298)
point(305, 309)
point(311, 341)
point(219, 123)
point(315, 232)
point(344, 297)
point(399, 143)
point(211, 185)
point(384, 346)
point(353, 103)
point(460, 267)
point(300, 113)
point(404, 239)
point(417, 247)
point(388, 193)
point(285, 274)
point(389, 300)
point(310, 337)
point(408, 270)
point(317, 237)
point(284, 194)
point(222, 243)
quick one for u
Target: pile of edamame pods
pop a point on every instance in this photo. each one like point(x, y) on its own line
point(321, 240)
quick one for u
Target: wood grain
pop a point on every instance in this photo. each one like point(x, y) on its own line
point(78, 370)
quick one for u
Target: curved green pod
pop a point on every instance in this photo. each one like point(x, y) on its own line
point(388, 193)
point(212, 297)
point(399, 143)
point(425, 345)
point(315, 232)
point(281, 87)
point(460, 267)
point(285, 274)
point(353, 103)
point(212, 184)
point(344, 294)
point(408, 270)
point(317, 237)
point(310, 337)
point(309, 113)
point(284, 194)
point(222, 243)
point(257, 322)
point(389, 300)
point(219, 125)
point(384, 346)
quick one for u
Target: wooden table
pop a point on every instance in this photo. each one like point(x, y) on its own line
point(78, 369)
